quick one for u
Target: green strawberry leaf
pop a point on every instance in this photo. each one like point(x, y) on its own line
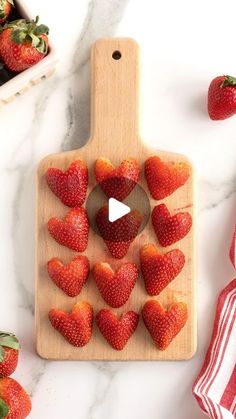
point(35, 41)
point(2, 13)
point(18, 36)
point(9, 340)
point(18, 24)
point(4, 410)
point(2, 354)
point(2, 9)
point(229, 81)
point(42, 47)
point(41, 29)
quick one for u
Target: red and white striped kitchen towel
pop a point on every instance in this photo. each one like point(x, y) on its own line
point(215, 386)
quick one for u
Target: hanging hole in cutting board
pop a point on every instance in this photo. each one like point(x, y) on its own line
point(116, 55)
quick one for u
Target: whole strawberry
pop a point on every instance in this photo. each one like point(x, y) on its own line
point(9, 350)
point(14, 401)
point(222, 97)
point(23, 43)
point(5, 9)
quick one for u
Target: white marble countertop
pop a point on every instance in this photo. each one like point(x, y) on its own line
point(184, 44)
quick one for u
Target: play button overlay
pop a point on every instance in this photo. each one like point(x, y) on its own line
point(116, 209)
point(116, 220)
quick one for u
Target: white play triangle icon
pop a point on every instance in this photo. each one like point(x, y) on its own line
point(116, 209)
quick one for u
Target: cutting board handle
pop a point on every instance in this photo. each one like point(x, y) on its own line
point(115, 92)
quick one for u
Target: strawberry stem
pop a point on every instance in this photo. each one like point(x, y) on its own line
point(23, 30)
point(229, 81)
point(7, 340)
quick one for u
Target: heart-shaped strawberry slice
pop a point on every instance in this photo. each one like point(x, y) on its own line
point(163, 325)
point(117, 182)
point(76, 327)
point(71, 277)
point(115, 330)
point(69, 186)
point(159, 270)
point(170, 229)
point(118, 235)
point(164, 178)
point(115, 287)
point(73, 231)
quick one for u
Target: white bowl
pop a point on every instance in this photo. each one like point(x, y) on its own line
point(22, 82)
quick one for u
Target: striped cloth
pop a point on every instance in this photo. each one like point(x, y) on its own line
point(215, 386)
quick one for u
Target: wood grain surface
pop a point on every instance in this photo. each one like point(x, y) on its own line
point(115, 135)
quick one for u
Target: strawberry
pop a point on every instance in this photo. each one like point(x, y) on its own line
point(5, 9)
point(169, 229)
point(73, 231)
point(164, 178)
point(14, 401)
point(159, 270)
point(76, 327)
point(115, 287)
point(117, 182)
point(23, 43)
point(69, 186)
point(115, 330)
point(222, 97)
point(163, 325)
point(118, 235)
point(9, 351)
point(71, 277)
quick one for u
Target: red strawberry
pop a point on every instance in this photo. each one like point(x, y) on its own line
point(5, 9)
point(115, 287)
point(222, 97)
point(14, 401)
point(115, 330)
point(117, 183)
point(69, 186)
point(159, 270)
point(9, 351)
point(23, 43)
point(71, 277)
point(164, 178)
point(163, 325)
point(118, 235)
point(76, 327)
point(73, 231)
point(169, 229)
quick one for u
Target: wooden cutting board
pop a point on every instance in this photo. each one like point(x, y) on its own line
point(115, 135)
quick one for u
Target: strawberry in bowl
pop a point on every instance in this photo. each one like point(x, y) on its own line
point(23, 43)
point(5, 9)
